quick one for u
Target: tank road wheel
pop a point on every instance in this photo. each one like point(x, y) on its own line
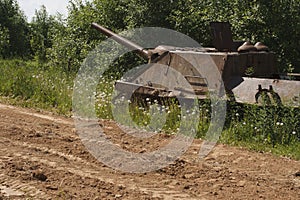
point(267, 97)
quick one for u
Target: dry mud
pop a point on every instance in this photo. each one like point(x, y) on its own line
point(42, 157)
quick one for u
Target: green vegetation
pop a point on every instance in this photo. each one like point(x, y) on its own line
point(65, 42)
point(32, 85)
point(40, 59)
point(268, 129)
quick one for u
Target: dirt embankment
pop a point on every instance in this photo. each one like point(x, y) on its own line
point(41, 157)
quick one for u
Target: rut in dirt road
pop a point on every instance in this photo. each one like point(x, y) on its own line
point(42, 158)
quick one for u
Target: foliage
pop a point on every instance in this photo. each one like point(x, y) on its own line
point(40, 38)
point(72, 39)
point(275, 129)
point(281, 30)
point(275, 125)
point(270, 129)
point(61, 44)
point(67, 51)
point(14, 30)
point(141, 13)
point(66, 42)
point(4, 40)
point(36, 86)
point(253, 21)
point(259, 20)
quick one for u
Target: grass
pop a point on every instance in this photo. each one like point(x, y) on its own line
point(266, 129)
point(29, 84)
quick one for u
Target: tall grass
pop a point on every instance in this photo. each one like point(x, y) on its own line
point(32, 85)
point(269, 129)
point(273, 129)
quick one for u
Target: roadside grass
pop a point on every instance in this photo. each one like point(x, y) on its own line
point(263, 129)
point(28, 84)
point(289, 151)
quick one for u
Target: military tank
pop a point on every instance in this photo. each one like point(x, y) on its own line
point(249, 72)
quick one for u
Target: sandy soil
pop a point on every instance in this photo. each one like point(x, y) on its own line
point(42, 157)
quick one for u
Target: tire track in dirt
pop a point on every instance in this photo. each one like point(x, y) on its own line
point(17, 190)
point(227, 173)
point(57, 161)
point(91, 170)
point(152, 190)
point(55, 119)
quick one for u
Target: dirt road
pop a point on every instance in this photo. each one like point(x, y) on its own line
point(41, 157)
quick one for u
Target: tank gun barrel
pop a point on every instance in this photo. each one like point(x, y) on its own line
point(123, 41)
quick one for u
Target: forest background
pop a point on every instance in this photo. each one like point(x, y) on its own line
point(65, 42)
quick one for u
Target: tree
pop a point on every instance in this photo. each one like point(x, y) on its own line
point(141, 13)
point(40, 38)
point(15, 28)
point(282, 30)
point(72, 45)
point(258, 20)
point(4, 40)
point(75, 38)
point(276, 23)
